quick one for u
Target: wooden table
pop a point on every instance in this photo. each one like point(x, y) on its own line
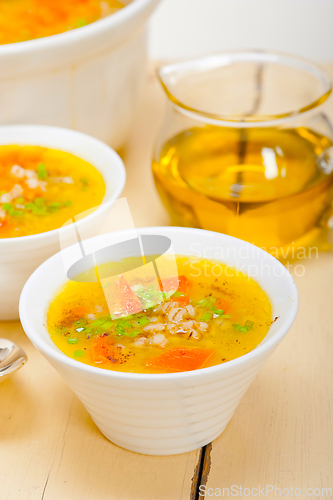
point(281, 434)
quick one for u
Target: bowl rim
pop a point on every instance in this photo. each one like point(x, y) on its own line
point(59, 40)
point(96, 143)
point(225, 59)
point(62, 358)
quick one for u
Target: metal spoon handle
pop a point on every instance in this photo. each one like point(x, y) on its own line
point(12, 357)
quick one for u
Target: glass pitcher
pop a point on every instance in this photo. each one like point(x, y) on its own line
point(246, 149)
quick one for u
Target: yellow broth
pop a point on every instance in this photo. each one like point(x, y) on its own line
point(41, 189)
point(22, 20)
point(235, 311)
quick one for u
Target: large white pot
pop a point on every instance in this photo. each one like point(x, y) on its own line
point(172, 413)
point(19, 257)
point(88, 79)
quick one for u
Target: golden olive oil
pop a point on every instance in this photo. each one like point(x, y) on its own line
point(261, 185)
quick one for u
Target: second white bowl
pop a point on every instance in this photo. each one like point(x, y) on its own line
point(89, 79)
point(19, 257)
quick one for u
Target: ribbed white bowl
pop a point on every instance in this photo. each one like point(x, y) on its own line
point(19, 257)
point(89, 79)
point(168, 413)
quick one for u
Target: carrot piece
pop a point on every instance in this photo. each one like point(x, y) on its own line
point(79, 311)
point(103, 351)
point(180, 284)
point(224, 305)
point(31, 194)
point(180, 359)
point(127, 301)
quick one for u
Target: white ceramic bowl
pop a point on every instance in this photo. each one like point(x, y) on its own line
point(89, 79)
point(174, 413)
point(19, 257)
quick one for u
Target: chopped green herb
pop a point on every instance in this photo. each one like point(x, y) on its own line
point(91, 331)
point(60, 330)
point(107, 325)
point(178, 294)
point(149, 296)
point(81, 22)
point(124, 324)
point(207, 303)
point(211, 303)
point(134, 334)
point(11, 210)
point(102, 323)
point(40, 206)
point(37, 207)
point(207, 316)
point(98, 322)
point(243, 329)
point(41, 172)
point(131, 334)
point(80, 322)
point(120, 330)
point(220, 312)
point(78, 354)
point(146, 295)
point(203, 303)
point(54, 205)
point(39, 202)
point(73, 340)
point(143, 321)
